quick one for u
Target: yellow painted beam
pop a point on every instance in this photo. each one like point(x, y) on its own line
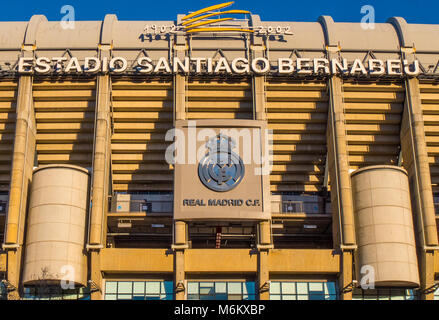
point(207, 9)
point(204, 23)
point(206, 16)
point(305, 261)
point(220, 261)
point(219, 30)
point(136, 261)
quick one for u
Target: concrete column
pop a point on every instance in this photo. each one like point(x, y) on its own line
point(95, 273)
point(426, 263)
point(414, 152)
point(179, 274)
point(345, 277)
point(263, 275)
point(180, 244)
point(259, 113)
point(180, 227)
point(259, 98)
point(415, 161)
point(264, 246)
point(101, 161)
point(21, 177)
point(100, 182)
point(341, 194)
point(179, 97)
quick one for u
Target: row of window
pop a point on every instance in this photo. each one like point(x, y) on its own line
point(55, 293)
point(217, 290)
point(246, 290)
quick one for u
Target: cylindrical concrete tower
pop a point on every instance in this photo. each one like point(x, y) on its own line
point(56, 228)
point(384, 224)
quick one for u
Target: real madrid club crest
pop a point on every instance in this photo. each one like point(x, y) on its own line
point(221, 169)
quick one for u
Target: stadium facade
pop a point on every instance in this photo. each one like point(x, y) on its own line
point(345, 118)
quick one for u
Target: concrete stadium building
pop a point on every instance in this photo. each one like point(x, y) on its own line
point(92, 208)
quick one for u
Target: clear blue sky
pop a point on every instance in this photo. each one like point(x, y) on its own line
point(414, 11)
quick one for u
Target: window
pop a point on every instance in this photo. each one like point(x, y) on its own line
point(139, 290)
point(384, 294)
point(218, 290)
point(289, 290)
point(3, 292)
point(55, 293)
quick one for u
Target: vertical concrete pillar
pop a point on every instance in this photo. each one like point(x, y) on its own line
point(258, 50)
point(345, 277)
point(338, 164)
point(179, 246)
point(264, 246)
point(259, 98)
point(426, 274)
point(180, 227)
point(263, 275)
point(341, 193)
point(415, 161)
point(179, 97)
point(101, 160)
point(100, 176)
point(21, 177)
point(95, 273)
point(414, 152)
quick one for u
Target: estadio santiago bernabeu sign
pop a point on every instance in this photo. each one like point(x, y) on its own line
point(210, 66)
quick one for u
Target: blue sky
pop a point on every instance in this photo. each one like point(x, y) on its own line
point(414, 11)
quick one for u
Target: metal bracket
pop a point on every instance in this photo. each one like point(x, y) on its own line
point(349, 288)
point(352, 247)
point(265, 287)
point(91, 247)
point(180, 287)
point(14, 246)
point(431, 289)
point(93, 286)
point(175, 247)
point(333, 48)
point(105, 47)
point(265, 246)
point(408, 49)
point(431, 248)
point(27, 47)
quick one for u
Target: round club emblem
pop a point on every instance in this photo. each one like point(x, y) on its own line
point(221, 169)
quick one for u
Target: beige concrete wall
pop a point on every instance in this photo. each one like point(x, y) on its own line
point(220, 261)
point(297, 261)
point(136, 260)
point(303, 261)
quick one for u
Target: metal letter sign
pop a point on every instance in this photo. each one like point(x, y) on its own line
point(221, 169)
